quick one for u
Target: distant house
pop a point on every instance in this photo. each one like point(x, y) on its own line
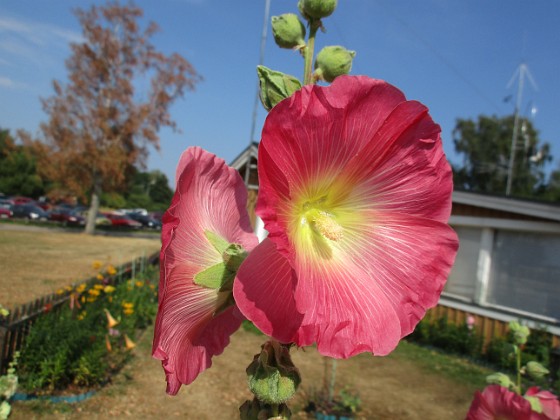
point(508, 264)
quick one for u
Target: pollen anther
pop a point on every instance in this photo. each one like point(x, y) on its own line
point(327, 226)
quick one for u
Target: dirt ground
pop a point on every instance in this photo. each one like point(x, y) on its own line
point(390, 388)
point(36, 262)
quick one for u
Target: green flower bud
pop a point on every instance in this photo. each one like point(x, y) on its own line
point(275, 86)
point(500, 379)
point(536, 370)
point(316, 9)
point(520, 332)
point(273, 378)
point(288, 31)
point(333, 61)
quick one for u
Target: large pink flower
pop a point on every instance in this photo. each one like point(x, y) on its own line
point(549, 404)
point(355, 192)
point(496, 402)
point(196, 314)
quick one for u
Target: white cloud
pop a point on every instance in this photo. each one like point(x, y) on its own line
point(37, 33)
point(6, 82)
point(35, 42)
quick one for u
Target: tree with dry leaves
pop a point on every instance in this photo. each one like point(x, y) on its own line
point(99, 126)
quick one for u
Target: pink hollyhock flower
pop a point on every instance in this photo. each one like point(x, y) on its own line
point(196, 313)
point(496, 402)
point(549, 403)
point(355, 192)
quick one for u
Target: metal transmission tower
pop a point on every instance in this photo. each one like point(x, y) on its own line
point(520, 73)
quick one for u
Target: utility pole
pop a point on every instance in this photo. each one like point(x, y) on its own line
point(256, 104)
point(519, 73)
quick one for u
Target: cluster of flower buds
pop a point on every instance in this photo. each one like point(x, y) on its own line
point(289, 32)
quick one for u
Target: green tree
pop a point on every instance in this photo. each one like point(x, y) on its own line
point(98, 125)
point(18, 168)
point(485, 145)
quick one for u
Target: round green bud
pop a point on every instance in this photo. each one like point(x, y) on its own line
point(288, 31)
point(316, 9)
point(333, 61)
point(520, 332)
point(272, 376)
point(536, 370)
point(500, 379)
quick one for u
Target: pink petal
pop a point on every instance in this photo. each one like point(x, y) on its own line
point(210, 197)
point(403, 168)
point(264, 292)
point(497, 402)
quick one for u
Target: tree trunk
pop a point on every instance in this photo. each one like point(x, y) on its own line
point(93, 207)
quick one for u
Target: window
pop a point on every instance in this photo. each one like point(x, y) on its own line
point(462, 280)
point(525, 273)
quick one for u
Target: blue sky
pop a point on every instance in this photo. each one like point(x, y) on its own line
point(456, 57)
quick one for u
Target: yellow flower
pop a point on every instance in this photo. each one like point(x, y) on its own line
point(128, 305)
point(99, 287)
point(96, 265)
point(60, 292)
point(82, 315)
point(99, 276)
point(83, 299)
point(110, 299)
point(109, 289)
point(139, 283)
point(94, 292)
point(152, 286)
point(81, 288)
point(69, 288)
point(128, 311)
point(91, 299)
point(111, 270)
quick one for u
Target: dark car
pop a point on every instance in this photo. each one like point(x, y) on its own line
point(66, 216)
point(120, 220)
point(29, 211)
point(147, 221)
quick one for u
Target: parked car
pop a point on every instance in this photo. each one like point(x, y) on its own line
point(66, 216)
point(23, 200)
point(120, 220)
point(146, 221)
point(6, 212)
point(29, 211)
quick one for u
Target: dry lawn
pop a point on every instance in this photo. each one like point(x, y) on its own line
point(390, 387)
point(38, 262)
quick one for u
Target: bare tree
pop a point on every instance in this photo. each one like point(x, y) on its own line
point(99, 126)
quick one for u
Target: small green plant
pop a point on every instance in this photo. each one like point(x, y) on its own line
point(8, 387)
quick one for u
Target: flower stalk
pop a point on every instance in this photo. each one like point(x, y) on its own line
point(314, 26)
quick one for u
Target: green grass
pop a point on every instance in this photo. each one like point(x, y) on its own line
point(454, 367)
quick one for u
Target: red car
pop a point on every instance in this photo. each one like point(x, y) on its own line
point(5, 213)
point(67, 216)
point(120, 220)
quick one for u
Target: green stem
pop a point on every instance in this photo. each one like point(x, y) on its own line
point(274, 410)
point(518, 370)
point(309, 51)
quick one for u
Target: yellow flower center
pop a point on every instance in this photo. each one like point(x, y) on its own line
point(325, 224)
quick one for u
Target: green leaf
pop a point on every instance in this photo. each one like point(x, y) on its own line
point(219, 243)
point(215, 277)
point(275, 86)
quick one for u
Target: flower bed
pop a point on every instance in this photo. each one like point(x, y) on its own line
point(78, 348)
